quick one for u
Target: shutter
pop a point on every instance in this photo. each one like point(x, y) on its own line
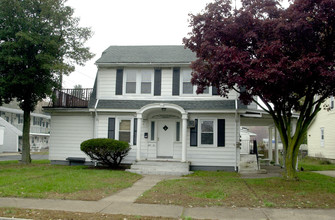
point(111, 128)
point(119, 82)
point(157, 82)
point(194, 134)
point(215, 90)
point(221, 132)
point(176, 81)
point(135, 131)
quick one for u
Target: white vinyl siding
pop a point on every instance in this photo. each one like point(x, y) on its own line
point(68, 131)
point(106, 83)
point(214, 156)
point(166, 86)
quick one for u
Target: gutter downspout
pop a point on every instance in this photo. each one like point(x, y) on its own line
point(95, 135)
point(236, 132)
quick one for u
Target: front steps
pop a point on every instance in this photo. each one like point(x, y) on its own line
point(248, 164)
point(171, 168)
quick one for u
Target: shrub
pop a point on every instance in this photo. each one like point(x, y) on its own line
point(106, 151)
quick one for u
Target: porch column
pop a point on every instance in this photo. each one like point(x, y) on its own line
point(138, 137)
point(270, 144)
point(184, 135)
point(276, 147)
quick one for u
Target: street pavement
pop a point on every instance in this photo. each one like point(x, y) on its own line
point(17, 156)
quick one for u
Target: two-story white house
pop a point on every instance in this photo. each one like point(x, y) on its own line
point(143, 95)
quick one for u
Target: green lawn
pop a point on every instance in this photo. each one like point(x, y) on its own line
point(229, 190)
point(311, 164)
point(42, 180)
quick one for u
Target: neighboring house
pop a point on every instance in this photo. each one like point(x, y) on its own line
point(143, 95)
point(321, 133)
point(12, 120)
point(11, 137)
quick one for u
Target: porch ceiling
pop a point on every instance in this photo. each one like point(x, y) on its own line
point(256, 120)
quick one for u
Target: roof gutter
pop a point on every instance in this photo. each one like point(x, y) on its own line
point(142, 64)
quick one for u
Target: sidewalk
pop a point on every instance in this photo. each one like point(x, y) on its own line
point(123, 203)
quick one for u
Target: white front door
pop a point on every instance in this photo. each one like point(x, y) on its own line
point(165, 134)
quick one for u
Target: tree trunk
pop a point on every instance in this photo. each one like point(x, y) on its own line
point(290, 162)
point(26, 159)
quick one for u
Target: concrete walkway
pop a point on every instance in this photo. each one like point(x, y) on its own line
point(123, 203)
point(326, 172)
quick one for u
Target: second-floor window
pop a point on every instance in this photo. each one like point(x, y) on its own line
point(187, 88)
point(131, 81)
point(138, 81)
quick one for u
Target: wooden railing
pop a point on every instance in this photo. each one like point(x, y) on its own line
point(71, 98)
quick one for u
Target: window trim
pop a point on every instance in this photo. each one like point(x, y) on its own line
point(138, 82)
point(215, 131)
point(117, 128)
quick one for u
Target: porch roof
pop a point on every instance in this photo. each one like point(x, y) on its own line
point(187, 105)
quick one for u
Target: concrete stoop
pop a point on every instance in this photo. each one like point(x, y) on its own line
point(170, 168)
point(248, 164)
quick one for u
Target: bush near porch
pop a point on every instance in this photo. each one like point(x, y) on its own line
point(106, 151)
point(42, 180)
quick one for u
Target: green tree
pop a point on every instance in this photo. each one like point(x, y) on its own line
point(39, 41)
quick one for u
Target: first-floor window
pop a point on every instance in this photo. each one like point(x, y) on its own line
point(178, 131)
point(322, 137)
point(207, 132)
point(124, 130)
point(152, 131)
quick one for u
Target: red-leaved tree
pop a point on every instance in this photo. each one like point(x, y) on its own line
point(284, 56)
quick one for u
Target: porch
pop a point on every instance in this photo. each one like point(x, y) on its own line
point(162, 128)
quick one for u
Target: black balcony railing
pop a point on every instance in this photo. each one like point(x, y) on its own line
point(71, 98)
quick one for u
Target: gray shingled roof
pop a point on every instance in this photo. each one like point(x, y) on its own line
point(146, 54)
point(187, 105)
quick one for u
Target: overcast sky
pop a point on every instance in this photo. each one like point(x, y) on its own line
point(130, 22)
